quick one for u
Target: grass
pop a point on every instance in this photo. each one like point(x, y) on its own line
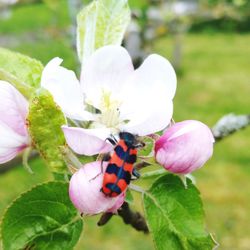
point(35, 17)
point(214, 80)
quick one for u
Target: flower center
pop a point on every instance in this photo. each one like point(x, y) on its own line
point(109, 107)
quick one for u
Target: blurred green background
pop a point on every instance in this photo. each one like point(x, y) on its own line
point(213, 80)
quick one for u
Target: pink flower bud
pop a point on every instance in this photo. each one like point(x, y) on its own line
point(184, 147)
point(117, 204)
point(85, 191)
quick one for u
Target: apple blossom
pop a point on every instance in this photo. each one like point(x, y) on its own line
point(184, 147)
point(112, 96)
point(13, 131)
point(85, 194)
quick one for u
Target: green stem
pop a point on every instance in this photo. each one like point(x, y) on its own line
point(136, 188)
point(26, 155)
point(153, 173)
point(70, 159)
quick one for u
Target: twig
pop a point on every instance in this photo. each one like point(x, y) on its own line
point(105, 218)
point(229, 124)
point(135, 219)
point(141, 165)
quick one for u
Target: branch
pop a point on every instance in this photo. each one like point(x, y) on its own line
point(229, 124)
point(105, 218)
point(141, 165)
point(135, 219)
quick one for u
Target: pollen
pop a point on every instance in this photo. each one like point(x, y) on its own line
point(109, 102)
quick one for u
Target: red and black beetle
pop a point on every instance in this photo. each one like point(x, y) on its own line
point(121, 164)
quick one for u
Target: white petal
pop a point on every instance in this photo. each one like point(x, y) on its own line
point(65, 88)
point(157, 121)
point(13, 108)
point(87, 141)
point(149, 96)
point(107, 69)
point(157, 70)
point(11, 143)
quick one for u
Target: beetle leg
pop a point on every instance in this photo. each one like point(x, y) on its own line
point(140, 145)
point(136, 174)
point(106, 157)
point(112, 140)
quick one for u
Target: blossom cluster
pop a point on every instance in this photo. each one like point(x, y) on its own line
point(110, 97)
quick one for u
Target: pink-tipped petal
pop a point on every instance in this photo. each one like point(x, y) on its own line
point(106, 70)
point(11, 143)
point(65, 88)
point(118, 204)
point(85, 190)
point(13, 108)
point(8, 155)
point(184, 147)
point(152, 87)
point(87, 141)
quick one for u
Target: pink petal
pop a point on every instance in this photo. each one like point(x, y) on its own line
point(13, 108)
point(87, 141)
point(11, 143)
point(118, 203)
point(107, 69)
point(184, 147)
point(8, 156)
point(85, 190)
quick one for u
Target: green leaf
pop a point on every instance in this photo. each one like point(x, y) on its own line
point(42, 218)
point(101, 23)
point(44, 122)
point(20, 70)
point(129, 197)
point(175, 215)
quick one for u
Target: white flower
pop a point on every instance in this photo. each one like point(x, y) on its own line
point(137, 101)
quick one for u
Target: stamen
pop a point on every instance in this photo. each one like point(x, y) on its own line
point(110, 115)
